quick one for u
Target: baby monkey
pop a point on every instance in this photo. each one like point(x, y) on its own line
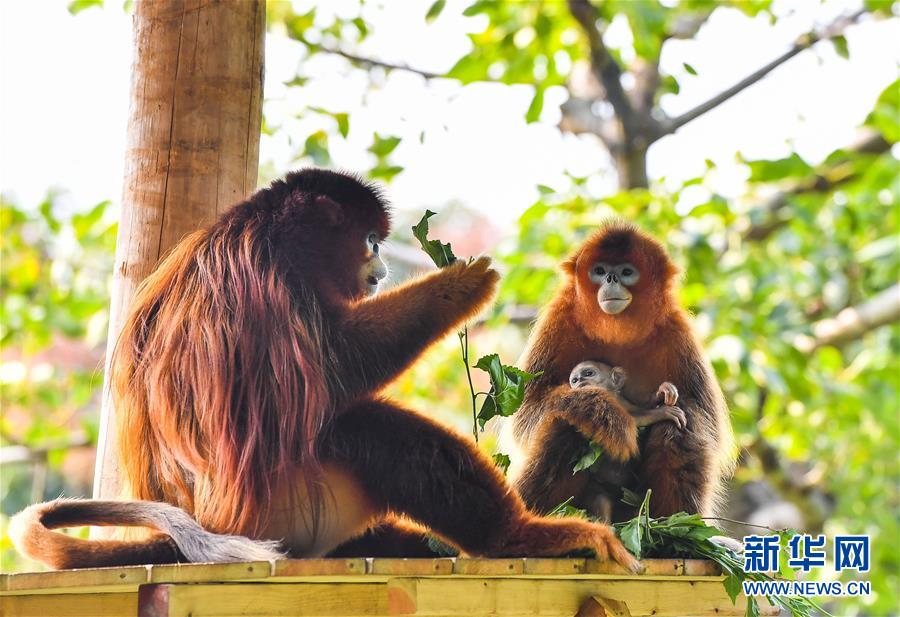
point(612, 379)
point(606, 483)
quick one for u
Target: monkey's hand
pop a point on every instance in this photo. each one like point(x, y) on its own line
point(469, 285)
point(666, 413)
point(397, 326)
point(667, 394)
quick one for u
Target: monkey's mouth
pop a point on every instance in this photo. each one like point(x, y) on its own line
point(614, 306)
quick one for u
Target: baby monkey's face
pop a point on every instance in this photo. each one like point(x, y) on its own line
point(599, 374)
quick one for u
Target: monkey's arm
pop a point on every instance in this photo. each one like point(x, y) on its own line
point(663, 413)
point(378, 338)
point(595, 412)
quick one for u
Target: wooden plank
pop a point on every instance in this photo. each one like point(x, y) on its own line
point(88, 577)
point(70, 605)
point(342, 569)
point(558, 567)
point(562, 597)
point(265, 599)
point(210, 572)
point(319, 567)
point(407, 567)
point(489, 567)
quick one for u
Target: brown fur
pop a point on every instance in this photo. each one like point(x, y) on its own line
point(247, 376)
point(653, 341)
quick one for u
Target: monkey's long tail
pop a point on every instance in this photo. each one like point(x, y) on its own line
point(182, 538)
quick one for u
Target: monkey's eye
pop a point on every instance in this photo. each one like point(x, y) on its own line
point(599, 271)
point(588, 373)
point(627, 271)
point(372, 241)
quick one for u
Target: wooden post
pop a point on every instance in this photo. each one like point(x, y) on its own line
point(193, 147)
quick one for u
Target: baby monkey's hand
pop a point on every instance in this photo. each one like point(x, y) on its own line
point(667, 394)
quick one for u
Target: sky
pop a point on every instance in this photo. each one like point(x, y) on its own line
point(64, 84)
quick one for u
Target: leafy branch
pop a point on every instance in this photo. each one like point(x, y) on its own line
point(507, 382)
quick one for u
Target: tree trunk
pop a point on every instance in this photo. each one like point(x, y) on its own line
point(631, 167)
point(193, 148)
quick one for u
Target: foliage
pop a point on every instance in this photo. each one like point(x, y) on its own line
point(55, 289)
point(689, 536)
point(440, 253)
point(507, 388)
point(507, 382)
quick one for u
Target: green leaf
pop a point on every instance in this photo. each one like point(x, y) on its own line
point(507, 388)
point(361, 27)
point(76, 6)
point(385, 172)
point(770, 171)
point(46, 210)
point(567, 509)
point(689, 68)
point(434, 10)
point(631, 498)
point(441, 254)
point(343, 122)
point(382, 146)
point(316, 148)
point(840, 46)
point(502, 461)
point(732, 584)
point(590, 456)
point(537, 105)
point(630, 534)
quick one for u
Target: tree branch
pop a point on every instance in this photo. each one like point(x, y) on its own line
point(578, 118)
point(804, 42)
point(852, 322)
point(367, 62)
point(870, 142)
point(605, 68)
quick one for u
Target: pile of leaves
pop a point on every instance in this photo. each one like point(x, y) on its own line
point(688, 536)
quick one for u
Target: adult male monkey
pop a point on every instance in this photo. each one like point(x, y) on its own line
point(618, 304)
point(246, 381)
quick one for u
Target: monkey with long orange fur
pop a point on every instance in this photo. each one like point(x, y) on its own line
point(246, 381)
point(618, 304)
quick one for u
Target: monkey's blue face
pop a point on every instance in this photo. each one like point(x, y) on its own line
point(613, 281)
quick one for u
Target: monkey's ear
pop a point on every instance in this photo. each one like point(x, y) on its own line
point(618, 376)
point(568, 266)
point(314, 209)
point(328, 210)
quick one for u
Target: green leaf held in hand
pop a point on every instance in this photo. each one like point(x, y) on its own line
point(441, 253)
point(507, 388)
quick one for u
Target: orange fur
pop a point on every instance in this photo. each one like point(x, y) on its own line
point(653, 341)
point(246, 381)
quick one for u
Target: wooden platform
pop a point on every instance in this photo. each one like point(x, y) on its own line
point(351, 587)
